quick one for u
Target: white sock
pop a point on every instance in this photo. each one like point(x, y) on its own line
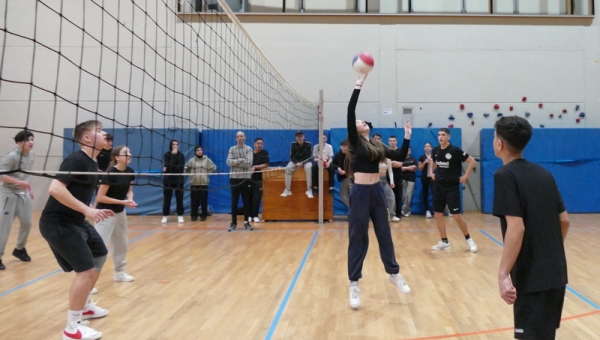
point(73, 318)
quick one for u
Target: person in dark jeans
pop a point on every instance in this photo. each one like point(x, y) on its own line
point(200, 166)
point(260, 161)
point(239, 159)
point(174, 163)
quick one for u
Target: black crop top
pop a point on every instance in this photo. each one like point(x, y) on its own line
point(362, 160)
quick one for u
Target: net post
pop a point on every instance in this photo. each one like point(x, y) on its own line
point(320, 162)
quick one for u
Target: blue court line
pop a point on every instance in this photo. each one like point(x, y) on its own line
point(23, 285)
point(290, 289)
point(576, 293)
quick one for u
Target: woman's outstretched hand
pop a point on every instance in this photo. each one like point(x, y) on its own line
point(407, 130)
point(361, 80)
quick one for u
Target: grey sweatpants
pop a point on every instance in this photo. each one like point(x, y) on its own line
point(345, 187)
point(389, 196)
point(15, 205)
point(407, 192)
point(114, 230)
point(289, 170)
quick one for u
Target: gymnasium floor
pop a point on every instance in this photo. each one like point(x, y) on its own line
point(289, 281)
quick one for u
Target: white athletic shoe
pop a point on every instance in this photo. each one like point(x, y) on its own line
point(472, 245)
point(354, 295)
point(164, 219)
point(406, 214)
point(286, 193)
point(309, 193)
point(179, 219)
point(82, 332)
point(395, 219)
point(398, 281)
point(427, 214)
point(94, 291)
point(256, 219)
point(93, 311)
point(441, 246)
point(122, 277)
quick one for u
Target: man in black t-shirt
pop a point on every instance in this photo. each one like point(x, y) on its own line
point(397, 171)
point(75, 242)
point(409, 167)
point(103, 158)
point(534, 222)
point(338, 166)
point(260, 161)
point(448, 159)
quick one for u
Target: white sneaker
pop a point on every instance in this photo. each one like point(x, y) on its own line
point(256, 219)
point(395, 219)
point(122, 277)
point(427, 214)
point(354, 295)
point(94, 291)
point(93, 311)
point(441, 246)
point(82, 332)
point(179, 219)
point(249, 219)
point(398, 281)
point(164, 219)
point(309, 193)
point(406, 214)
point(472, 245)
point(286, 193)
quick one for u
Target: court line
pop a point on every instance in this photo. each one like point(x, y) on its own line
point(496, 330)
point(576, 293)
point(23, 285)
point(290, 289)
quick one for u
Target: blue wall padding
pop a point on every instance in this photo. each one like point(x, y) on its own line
point(147, 148)
point(569, 154)
point(419, 137)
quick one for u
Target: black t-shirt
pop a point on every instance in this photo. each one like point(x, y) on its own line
point(449, 164)
point(118, 188)
point(425, 170)
point(527, 190)
point(103, 159)
point(409, 175)
point(338, 162)
point(259, 158)
point(395, 155)
point(82, 187)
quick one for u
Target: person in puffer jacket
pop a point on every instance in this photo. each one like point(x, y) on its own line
point(200, 166)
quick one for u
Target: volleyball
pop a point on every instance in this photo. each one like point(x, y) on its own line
point(363, 63)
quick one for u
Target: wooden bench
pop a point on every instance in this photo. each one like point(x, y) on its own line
point(295, 207)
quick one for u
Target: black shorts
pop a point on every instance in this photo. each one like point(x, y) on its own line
point(537, 315)
point(74, 245)
point(446, 194)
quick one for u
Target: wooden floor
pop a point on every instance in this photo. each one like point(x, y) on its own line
point(289, 281)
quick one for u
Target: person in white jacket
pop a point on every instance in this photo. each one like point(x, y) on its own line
point(200, 166)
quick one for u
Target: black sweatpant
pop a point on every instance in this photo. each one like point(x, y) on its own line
point(168, 194)
point(326, 172)
point(397, 190)
point(367, 201)
point(199, 197)
point(256, 197)
point(427, 185)
point(240, 186)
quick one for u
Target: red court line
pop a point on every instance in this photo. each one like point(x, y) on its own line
point(496, 330)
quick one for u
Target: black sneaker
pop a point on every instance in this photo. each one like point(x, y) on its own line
point(21, 255)
point(331, 192)
point(2, 266)
point(247, 226)
point(202, 218)
point(194, 218)
point(232, 227)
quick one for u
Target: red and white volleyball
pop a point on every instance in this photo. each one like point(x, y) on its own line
point(363, 63)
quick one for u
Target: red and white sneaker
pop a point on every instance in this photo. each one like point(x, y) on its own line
point(93, 311)
point(82, 332)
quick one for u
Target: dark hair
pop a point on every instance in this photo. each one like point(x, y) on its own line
point(514, 131)
point(392, 136)
point(344, 142)
point(171, 144)
point(257, 139)
point(23, 136)
point(113, 155)
point(109, 137)
point(427, 143)
point(445, 130)
point(84, 127)
point(198, 147)
point(375, 135)
point(374, 148)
